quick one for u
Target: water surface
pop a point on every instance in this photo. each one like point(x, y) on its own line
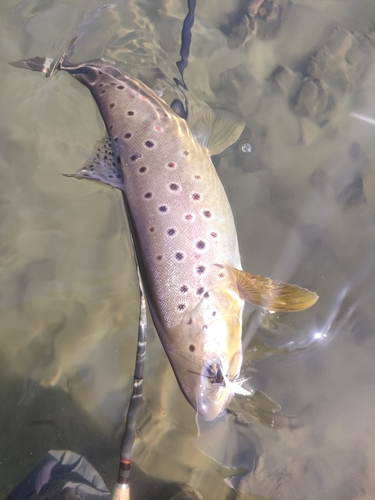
point(303, 201)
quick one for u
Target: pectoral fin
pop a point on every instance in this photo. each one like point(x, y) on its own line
point(214, 129)
point(102, 166)
point(272, 295)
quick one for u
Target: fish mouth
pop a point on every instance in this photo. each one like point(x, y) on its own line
point(214, 394)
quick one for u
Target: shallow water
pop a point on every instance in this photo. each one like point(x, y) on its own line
point(304, 205)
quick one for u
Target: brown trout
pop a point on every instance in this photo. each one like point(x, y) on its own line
point(183, 229)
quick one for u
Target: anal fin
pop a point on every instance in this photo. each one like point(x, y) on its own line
point(272, 295)
point(102, 166)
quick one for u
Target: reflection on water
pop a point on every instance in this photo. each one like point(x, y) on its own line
point(301, 182)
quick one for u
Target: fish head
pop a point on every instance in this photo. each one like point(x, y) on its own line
point(205, 351)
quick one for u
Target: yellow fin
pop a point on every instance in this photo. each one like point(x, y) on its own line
point(272, 295)
point(214, 129)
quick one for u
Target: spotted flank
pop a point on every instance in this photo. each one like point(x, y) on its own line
point(183, 227)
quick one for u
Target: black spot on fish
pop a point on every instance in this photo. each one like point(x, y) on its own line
point(201, 245)
point(206, 295)
point(179, 256)
point(163, 209)
point(191, 348)
point(173, 186)
point(171, 164)
point(142, 170)
point(149, 144)
point(171, 231)
point(200, 290)
point(112, 105)
point(214, 313)
point(201, 269)
point(135, 157)
point(213, 234)
point(100, 84)
point(151, 229)
point(130, 113)
point(190, 321)
point(103, 91)
point(120, 87)
point(186, 153)
point(207, 214)
point(196, 196)
point(127, 135)
point(181, 307)
point(184, 289)
point(221, 275)
point(159, 257)
point(148, 195)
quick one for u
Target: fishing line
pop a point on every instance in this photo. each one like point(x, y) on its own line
point(186, 36)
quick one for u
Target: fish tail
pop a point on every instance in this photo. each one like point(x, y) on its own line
point(46, 65)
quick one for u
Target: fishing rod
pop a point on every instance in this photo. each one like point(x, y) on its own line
point(122, 487)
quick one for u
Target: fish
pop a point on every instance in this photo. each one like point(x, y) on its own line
point(182, 226)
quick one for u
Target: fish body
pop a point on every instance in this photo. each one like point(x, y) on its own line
point(184, 232)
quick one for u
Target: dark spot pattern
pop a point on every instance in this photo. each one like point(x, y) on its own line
point(206, 295)
point(120, 87)
point(171, 164)
point(207, 214)
point(130, 113)
point(181, 307)
point(213, 234)
point(186, 153)
point(159, 257)
point(179, 256)
point(201, 245)
point(112, 105)
point(163, 209)
point(142, 170)
point(221, 275)
point(196, 196)
point(148, 195)
point(200, 290)
point(171, 231)
point(149, 144)
point(127, 135)
point(184, 289)
point(174, 187)
point(191, 348)
point(135, 157)
point(151, 229)
point(103, 91)
point(200, 269)
point(214, 313)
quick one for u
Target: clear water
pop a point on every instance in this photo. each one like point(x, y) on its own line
point(303, 200)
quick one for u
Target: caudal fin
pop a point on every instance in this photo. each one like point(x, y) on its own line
point(45, 65)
